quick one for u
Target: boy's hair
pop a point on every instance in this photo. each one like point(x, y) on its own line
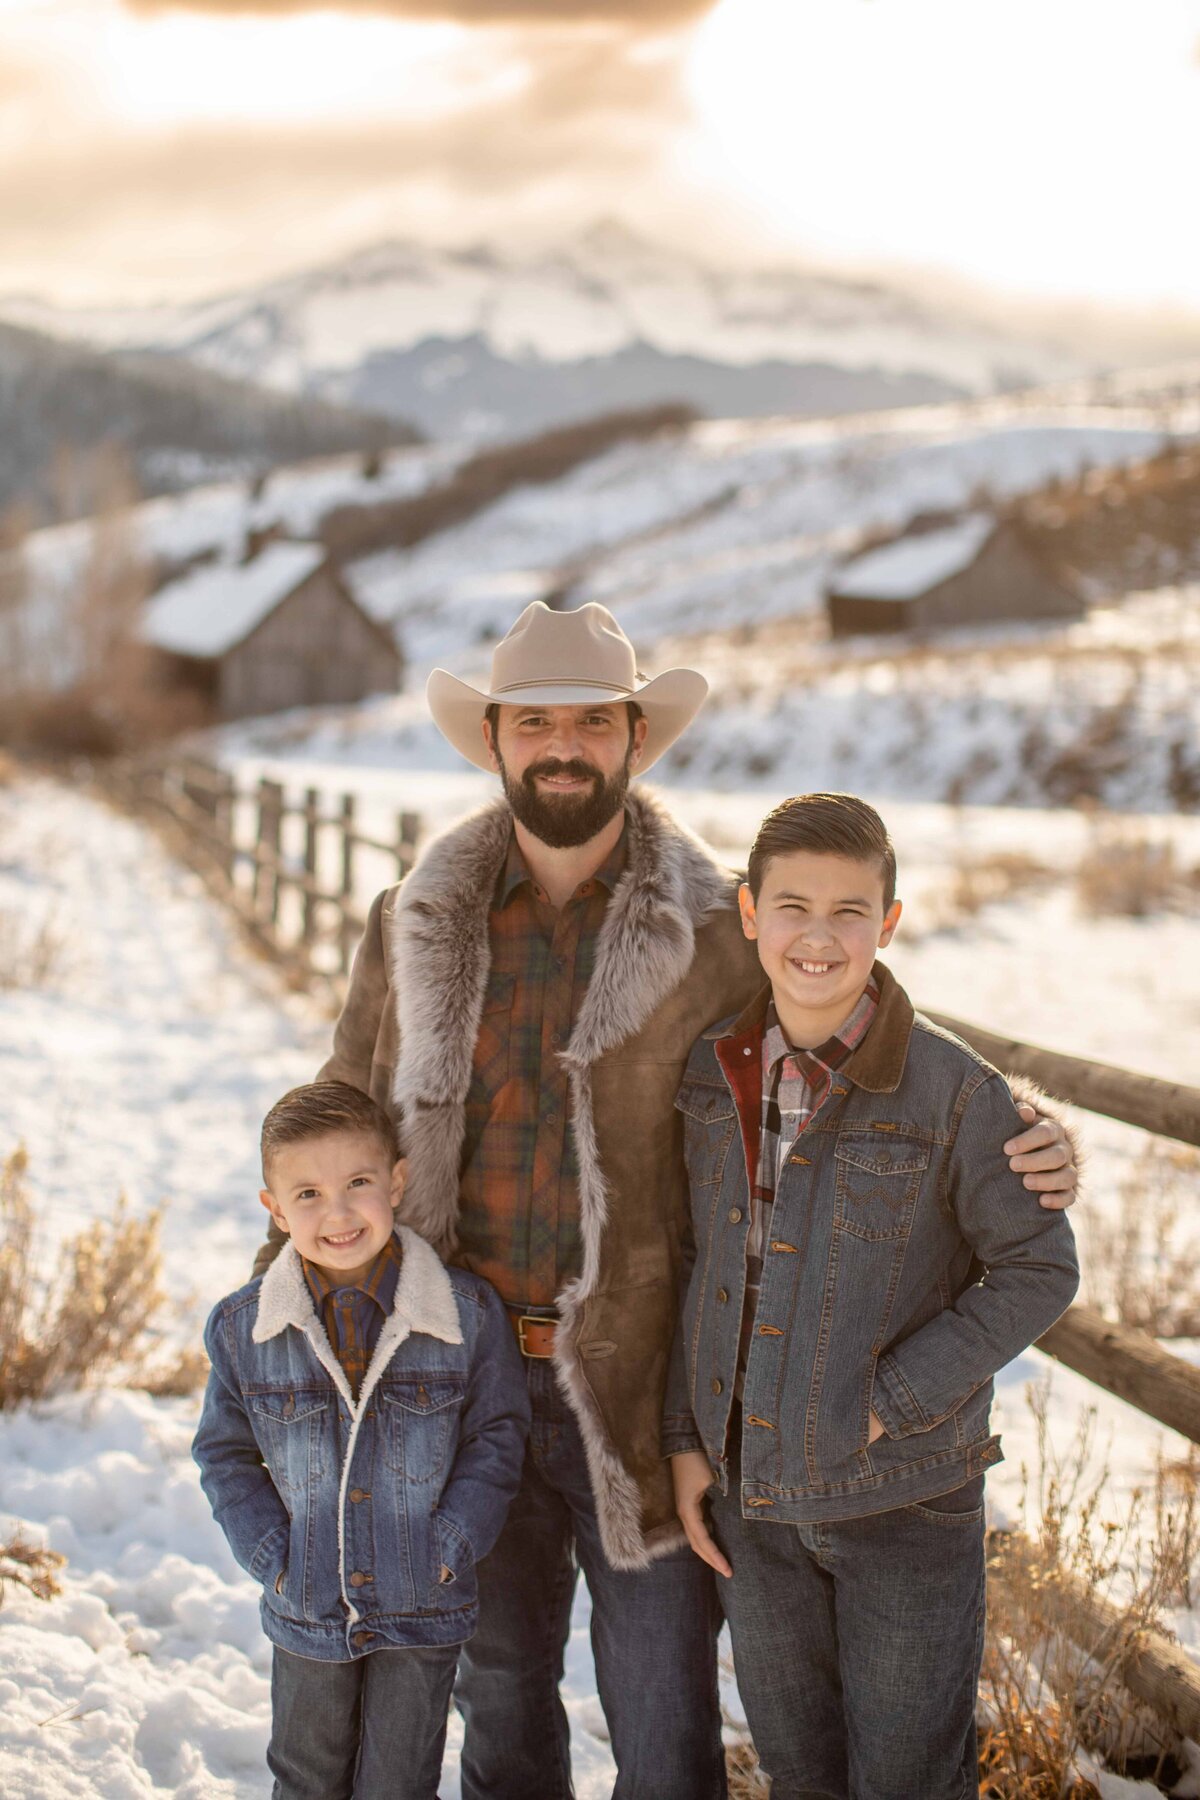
point(838, 824)
point(321, 1107)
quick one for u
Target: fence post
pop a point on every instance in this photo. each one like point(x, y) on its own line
point(408, 825)
point(347, 890)
point(312, 802)
point(223, 819)
point(269, 850)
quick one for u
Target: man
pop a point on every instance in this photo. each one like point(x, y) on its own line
point(525, 1003)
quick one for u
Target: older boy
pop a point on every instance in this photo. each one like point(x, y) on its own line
point(362, 1437)
point(863, 1262)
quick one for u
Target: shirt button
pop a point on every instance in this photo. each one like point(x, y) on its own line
point(357, 1494)
point(722, 1296)
point(735, 1215)
point(717, 1385)
point(358, 1579)
point(746, 1051)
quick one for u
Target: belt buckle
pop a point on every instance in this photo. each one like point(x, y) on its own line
point(523, 1320)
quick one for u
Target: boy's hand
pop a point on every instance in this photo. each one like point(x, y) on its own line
point(1043, 1156)
point(876, 1430)
point(692, 1475)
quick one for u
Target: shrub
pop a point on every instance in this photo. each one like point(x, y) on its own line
point(94, 1315)
point(1128, 874)
point(30, 1566)
point(31, 955)
point(1142, 1267)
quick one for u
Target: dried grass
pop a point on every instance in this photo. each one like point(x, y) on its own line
point(976, 882)
point(33, 954)
point(30, 1566)
point(94, 1316)
point(1128, 874)
point(1143, 1266)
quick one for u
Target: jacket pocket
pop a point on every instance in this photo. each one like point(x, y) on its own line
point(420, 1425)
point(709, 1123)
point(878, 1180)
point(493, 1043)
point(288, 1424)
point(454, 1552)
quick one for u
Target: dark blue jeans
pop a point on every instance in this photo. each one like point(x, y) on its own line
point(654, 1638)
point(857, 1647)
point(367, 1730)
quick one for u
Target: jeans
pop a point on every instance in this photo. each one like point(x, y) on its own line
point(373, 1729)
point(857, 1646)
point(654, 1636)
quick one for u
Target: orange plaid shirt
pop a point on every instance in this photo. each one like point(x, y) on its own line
point(519, 1211)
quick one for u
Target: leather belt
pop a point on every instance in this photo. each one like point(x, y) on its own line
point(535, 1336)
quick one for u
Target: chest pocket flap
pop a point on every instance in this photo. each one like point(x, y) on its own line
point(899, 1156)
point(289, 1406)
point(699, 1100)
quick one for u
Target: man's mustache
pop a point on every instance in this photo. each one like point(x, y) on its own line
point(576, 769)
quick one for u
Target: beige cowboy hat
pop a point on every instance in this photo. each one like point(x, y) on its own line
point(565, 659)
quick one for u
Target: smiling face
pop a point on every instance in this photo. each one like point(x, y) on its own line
point(818, 922)
point(565, 769)
point(335, 1196)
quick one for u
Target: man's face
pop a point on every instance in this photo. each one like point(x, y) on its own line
point(565, 769)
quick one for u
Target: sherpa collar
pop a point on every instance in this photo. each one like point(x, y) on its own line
point(424, 1302)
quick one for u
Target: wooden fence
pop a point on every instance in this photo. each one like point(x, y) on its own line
point(203, 805)
point(289, 868)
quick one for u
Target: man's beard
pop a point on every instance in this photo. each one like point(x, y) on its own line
point(564, 821)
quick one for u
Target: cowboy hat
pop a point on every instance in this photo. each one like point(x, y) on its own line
point(575, 658)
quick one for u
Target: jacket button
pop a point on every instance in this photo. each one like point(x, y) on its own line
point(357, 1494)
point(717, 1385)
point(722, 1296)
point(735, 1214)
point(361, 1639)
point(358, 1579)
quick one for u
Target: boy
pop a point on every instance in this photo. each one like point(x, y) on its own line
point(361, 1438)
point(863, 1262)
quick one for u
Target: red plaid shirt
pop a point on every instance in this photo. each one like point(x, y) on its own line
point(519, 1197)
point(353, 1313)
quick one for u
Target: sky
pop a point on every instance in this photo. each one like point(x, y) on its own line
point(165, 150)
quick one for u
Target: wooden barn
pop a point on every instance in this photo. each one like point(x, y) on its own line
point(281, 629)
point(975, 570)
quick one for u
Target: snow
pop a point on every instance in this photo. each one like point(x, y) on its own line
point(914, 564)
point(145, 1062)
point(212, 608)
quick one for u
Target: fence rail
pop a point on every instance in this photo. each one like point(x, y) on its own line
point(203, 804)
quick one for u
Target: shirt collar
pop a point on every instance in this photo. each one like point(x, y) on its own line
point(838, 1047)
point(378, 1284)
point(515, 871)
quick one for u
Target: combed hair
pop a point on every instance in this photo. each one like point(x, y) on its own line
point(838, 824)
point(321, 1107)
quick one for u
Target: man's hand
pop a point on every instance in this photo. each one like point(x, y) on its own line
point(1043, 1156)
point(692, 1474)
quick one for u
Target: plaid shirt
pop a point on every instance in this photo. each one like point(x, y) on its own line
point(795, 1085)
point(519, 1193)
point(353, 1315)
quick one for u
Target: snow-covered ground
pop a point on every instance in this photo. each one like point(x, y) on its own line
point(144, 1063)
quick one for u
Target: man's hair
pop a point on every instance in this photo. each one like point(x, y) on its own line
point(491, 713)
point(837, 824)
point(321, 1107)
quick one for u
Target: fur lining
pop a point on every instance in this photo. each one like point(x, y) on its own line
point(1027, 1093)
point(439, 961)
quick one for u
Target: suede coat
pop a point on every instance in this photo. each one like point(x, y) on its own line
point(670, 961)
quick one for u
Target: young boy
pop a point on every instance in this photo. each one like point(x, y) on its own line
point(362, 1436)
point(863, 1262)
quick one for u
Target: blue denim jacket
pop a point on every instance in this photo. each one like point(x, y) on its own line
point(346, 1512)
point(905, 1265)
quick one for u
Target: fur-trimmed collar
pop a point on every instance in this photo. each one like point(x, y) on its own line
point(424, 1302)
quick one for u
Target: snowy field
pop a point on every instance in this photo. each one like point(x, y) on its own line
point(143, 1064)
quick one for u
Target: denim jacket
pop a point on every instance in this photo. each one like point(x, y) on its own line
point(905, 1264)
point(347, 1511)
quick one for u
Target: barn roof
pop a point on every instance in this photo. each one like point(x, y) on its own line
point(212, 608)
point(912, 565)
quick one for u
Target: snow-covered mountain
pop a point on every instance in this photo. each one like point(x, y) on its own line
point(486, 341)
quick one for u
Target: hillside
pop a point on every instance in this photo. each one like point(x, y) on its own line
point(176, 423)
point(488, 341)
